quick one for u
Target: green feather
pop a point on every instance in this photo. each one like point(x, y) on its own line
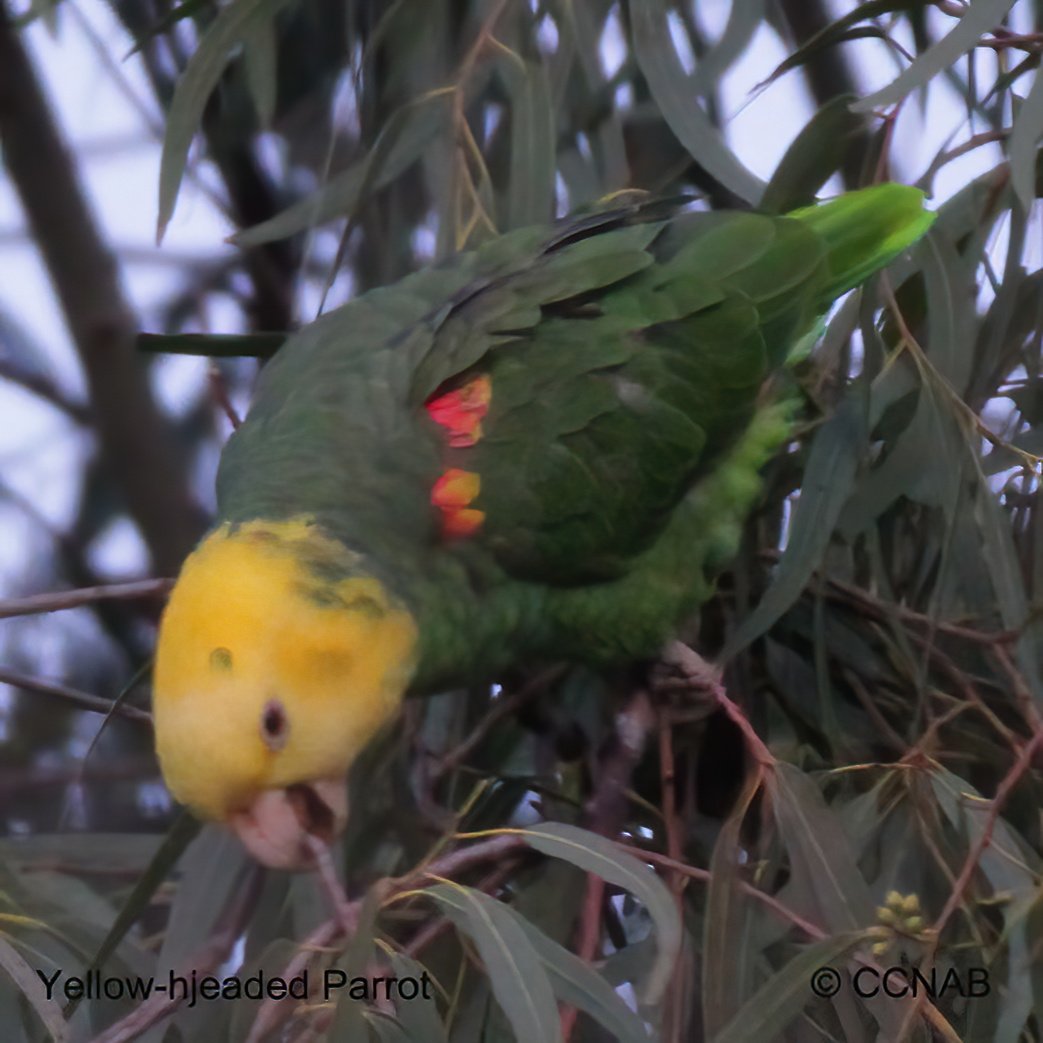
point(864, 231)
point(627, 352)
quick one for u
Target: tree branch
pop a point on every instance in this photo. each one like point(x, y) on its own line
point(135, 440)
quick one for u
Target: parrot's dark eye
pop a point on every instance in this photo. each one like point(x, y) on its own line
point(274, 725)
point(221, 659)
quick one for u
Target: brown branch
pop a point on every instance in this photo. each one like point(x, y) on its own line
point(205, 961)
point(607, 806)
point(784, 912)
point(56, 601)
point(506, 706)
point(673, 1014)
point(828, 75)
point(81, 700)
point(136, 441)
point(605, 814)
point(22, 780)
point(970, 865)
point(838, 590)
point(272, 1013)
point(45, 389)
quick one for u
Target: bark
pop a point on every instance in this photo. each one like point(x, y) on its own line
point(135, 440)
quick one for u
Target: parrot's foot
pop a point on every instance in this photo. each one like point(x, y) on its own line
point(681, 670)
point(695, 671)
point(688, 670)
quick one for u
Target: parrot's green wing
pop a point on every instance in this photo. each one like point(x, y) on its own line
point(543, 404)
point(584, 393)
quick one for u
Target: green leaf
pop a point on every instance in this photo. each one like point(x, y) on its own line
point(744, 19)
point(575, 982)
point(828, 480)
point(181, 833)
point(419, 1016)
point(531, 186)
point(407, 133)
point(350, 1017)
point(837, 32)
point(1023, 143)
point(194, 88)
point(209, 877)
point(674, 93)
point(819, 850)
point(977, 19)
point(388, 1030)
point(597, 855)
point(13, 964)
point(785, 994)
point(723, 928)
point(515, 971)
point(1012, 872)
point(816, 152)
point(260, 58)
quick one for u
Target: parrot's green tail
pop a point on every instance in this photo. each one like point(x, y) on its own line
point(865, 230)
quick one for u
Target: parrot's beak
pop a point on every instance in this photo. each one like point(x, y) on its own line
point(275, 826)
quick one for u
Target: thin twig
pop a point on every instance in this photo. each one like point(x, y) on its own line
point(56, 601)
point(205, 961)
point(506, 706)
point(81, 700)
point(605, 813)
point(494, 849)
point(135, 439)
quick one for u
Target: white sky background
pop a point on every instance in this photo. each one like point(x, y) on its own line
point(41, 452)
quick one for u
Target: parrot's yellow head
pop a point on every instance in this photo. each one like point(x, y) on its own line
point(276, 663)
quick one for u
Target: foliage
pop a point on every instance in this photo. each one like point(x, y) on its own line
point(862, 791)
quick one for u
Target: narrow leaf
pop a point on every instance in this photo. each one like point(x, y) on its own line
point(744, 19)
point(193, 90)
point(597, 855)
point(819, 850)
point(783, 996)
point(818, 150)
point(828, 480)
point(577, 983)
point(515, 971)
point(1023, 143)
point(419, 1016)
point(677, 99)
point(181, 833)
point(722, 930)
point(531, 187)
point(260, 58)
point(977, 19)
point(32, 988)
point(408, 132)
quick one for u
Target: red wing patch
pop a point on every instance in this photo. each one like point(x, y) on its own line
point(462, 410)
point(453, 494)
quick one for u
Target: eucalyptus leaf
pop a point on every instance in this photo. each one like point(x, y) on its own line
point(597, 855)
point(516, 973)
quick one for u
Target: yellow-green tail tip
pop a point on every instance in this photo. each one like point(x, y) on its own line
point(865, 230)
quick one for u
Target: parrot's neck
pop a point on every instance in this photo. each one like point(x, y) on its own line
point(473, 623)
